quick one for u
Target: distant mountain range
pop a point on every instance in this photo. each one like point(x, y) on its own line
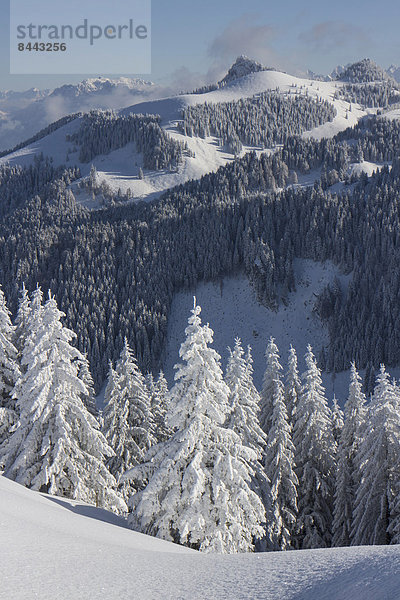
point(22, 114)
point(363, 71)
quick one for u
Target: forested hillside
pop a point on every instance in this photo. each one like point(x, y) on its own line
point(101, 132)
point(269, 470)
point(264, 120)
point(116, 270)
point(210, 459)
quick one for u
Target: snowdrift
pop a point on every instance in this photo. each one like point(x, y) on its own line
point(53, 548)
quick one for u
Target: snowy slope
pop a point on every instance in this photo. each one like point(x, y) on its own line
point(56, 549)
point(391, 114)
point(120, 168)
point(22, 114)
point(394, 71)
point(232, 310)
point(364, 167)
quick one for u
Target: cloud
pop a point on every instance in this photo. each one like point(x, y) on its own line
point(329, 35)
point(184, 80)
point(245, 36)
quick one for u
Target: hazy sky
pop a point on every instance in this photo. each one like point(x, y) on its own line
point(196, 41)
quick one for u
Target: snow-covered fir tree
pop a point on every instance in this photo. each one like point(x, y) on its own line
point(28, 320)
point(347, 475)
point(88, 397)
point(9, 373)
point(117, 430)
point(158, 390)
point(375, 515)
point(315, 461)
point(292, 384)
point(198, 492)
point(22, 319)
point(8, 353)
point(57, 447)
point(132, 385)
point(337, 419)
point(279, 460)
point(244, 401)
point(128, 421)
point(272, 384)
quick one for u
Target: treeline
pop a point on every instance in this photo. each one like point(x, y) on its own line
point(43, 133)
point(377, 139)
point(211, 464)
point(378, 95)
point(364, 71)
point(102, 132)
point(116, 271)
point(19, 184)
point(263, 120)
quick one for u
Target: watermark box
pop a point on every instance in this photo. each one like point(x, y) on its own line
point(80, 37)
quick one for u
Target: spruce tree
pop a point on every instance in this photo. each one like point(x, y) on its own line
point(244, 401)
point(133, 390)
point(128, 420)
point(292, 385)
point(22, 319)
point(279, 461)
point(89, 397)
point(347, 477)
point(9, 372)
point(158, 391)
point(198, 492)
point(337, 420)
point(271, 385)
point(57, 447)
point(117, 431)
point(376, 507)
point(315, 461)
point(8, 355)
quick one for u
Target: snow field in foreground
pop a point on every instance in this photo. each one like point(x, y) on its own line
point(53, 548)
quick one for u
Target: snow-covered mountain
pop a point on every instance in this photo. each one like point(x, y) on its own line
point(241, 67)
point(364, 71)
point(58, 548)
point(11, 98)
point(317, 76)
point(338, 70)
point(102, 86)
point(120, 168)
point(394, 71)
point(123, 172)
point(22, 114)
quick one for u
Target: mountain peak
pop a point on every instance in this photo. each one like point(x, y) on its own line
point(101, 85)
point(394, 71)
point(242, 66)
point(363, 71)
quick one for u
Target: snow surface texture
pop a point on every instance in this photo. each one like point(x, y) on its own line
point(59, 549)
point(120, 168)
